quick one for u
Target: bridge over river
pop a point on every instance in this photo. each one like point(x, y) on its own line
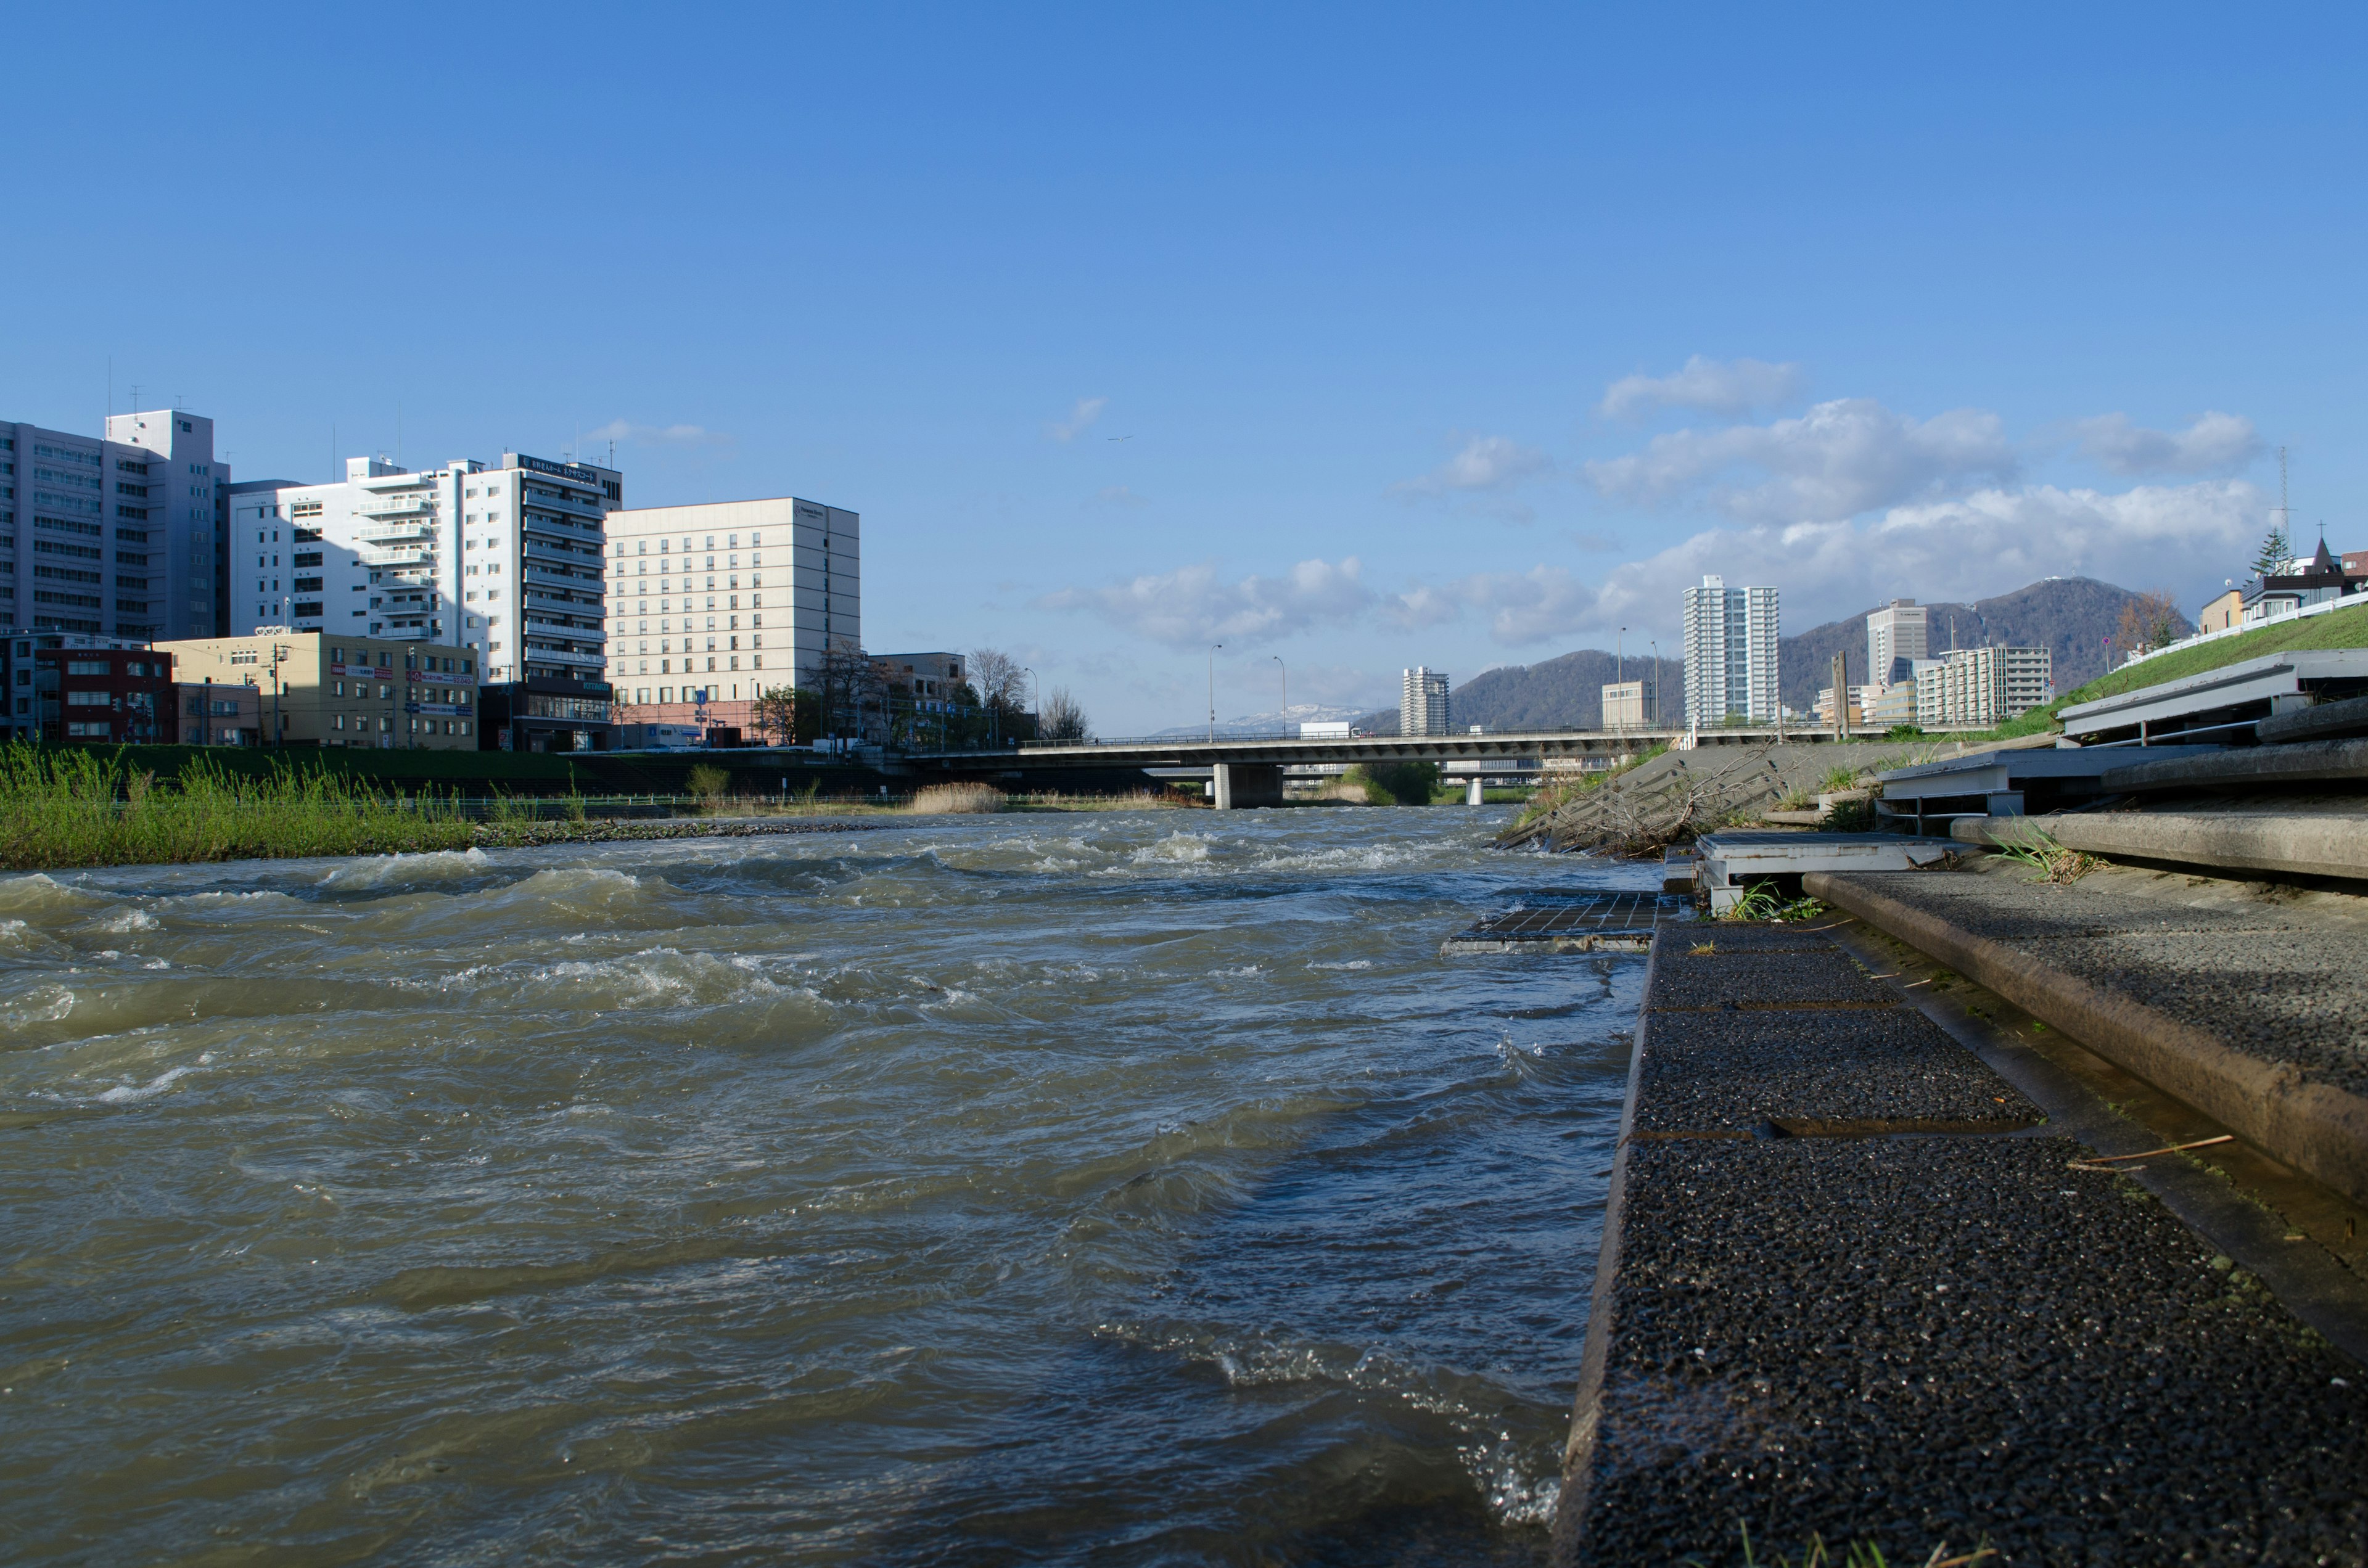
point(1247, 770)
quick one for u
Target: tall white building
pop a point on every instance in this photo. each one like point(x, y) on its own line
point(505, 561)
point(118, 536)
point(737, 596)
point(1423, 706)
point(1900, 630)
point(1731, 654)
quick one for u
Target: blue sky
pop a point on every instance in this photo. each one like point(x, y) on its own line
point(1462, 337)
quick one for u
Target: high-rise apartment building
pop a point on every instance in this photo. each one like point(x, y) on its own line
point(730, 597)
point(1731, 654)
point(1977, 688)
point(1423, 708)
point(118, 536)
point(505, 561)
point(1901, 631)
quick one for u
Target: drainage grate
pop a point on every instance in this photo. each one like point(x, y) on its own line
point(1554, 921)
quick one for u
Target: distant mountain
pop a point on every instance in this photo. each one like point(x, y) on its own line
point(2069, 616)
point(1564, 693)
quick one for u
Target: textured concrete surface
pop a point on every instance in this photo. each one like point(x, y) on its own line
point(1887, 1069)
point(2257, 1021)
point(2284, 996)
point(1734, 936)
point(2304, 762)
point(2312, 843)
point(1902, 1340)
point(2349, 717)
point(2011, 908)
point(1779, 979)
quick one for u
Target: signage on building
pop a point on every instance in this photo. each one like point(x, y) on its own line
point(366, 671)
point(564, 471)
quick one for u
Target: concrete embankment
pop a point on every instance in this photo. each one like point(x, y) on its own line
point(1857, 1284)
point(2257, 1020)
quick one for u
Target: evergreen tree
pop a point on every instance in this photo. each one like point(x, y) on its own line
point(2275, 551)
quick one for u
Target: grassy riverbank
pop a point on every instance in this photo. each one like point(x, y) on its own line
point(65, 807)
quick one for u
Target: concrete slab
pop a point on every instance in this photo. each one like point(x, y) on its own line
point(2232, 698)
point(2304, 762)
point(1817, 1073)
point(2311, 843)
point(1684, 980)
point(2010, 907)
point(2349, 717)
point(1732, 861)
point(1904, 1341)
point(2264, 1031)
point(1753, 937)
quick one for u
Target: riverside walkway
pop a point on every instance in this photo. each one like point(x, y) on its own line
point(1876, 1267)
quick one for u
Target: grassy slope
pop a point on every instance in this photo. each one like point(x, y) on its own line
point(2346, 628)
point(480, 772)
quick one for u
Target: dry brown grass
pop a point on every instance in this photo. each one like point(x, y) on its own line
point(957, 800)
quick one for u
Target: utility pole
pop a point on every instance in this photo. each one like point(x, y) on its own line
point(1213, 691)
point(1842, 695)
point(279, 651)
point(1655, 646)
point(2285, 511)
point(1620, 676)
point(1284, 670)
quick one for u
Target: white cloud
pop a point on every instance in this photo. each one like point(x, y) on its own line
point(2214, 440)
point(1081, 417)
point(2182, 537)
point(1191, 607)
point(1837, 461)
point(1486, 462)
point(1731, 387)
point(657, 435)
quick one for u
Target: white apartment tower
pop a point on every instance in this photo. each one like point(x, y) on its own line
point(730, 597)
point(1731, 652)
point(116, 537)
point(1900, 630)
point(505, 561)
point(1423, 703)
point(1978, 688)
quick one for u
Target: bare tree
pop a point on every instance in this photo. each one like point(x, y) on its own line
point(852, 697)
point(1063, 718)
point(791, 714)
point(1001, 688)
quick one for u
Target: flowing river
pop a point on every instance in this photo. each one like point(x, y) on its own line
point(1127, 1188)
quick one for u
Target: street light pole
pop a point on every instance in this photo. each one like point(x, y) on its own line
point(1213, 689)
point(1035, 703)
point(1655, 646)
point(1284, 670)
point(1619, 674)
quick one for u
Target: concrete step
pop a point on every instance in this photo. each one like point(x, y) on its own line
point(2256, 1021)
point(2325, 721)
point(2321, 844)
point(1846, 1291)
point(2303, 762)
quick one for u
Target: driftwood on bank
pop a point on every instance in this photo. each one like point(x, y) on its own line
point(1671, 798)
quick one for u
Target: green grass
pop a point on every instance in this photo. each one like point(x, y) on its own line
point(2345, 628)
point(62, 807)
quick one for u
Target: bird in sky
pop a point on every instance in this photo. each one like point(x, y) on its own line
point(1118, 438)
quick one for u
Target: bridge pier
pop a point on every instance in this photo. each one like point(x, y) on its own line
point(1240, 785)
point(1472, 795)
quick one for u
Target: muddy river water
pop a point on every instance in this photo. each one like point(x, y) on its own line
point(1126, 1188)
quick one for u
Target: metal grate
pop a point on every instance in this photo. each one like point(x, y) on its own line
point(1562, 922)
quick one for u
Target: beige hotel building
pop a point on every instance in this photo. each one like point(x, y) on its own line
point(730, 598)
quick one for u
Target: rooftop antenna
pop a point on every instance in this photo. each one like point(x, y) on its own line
point(2285, 511)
